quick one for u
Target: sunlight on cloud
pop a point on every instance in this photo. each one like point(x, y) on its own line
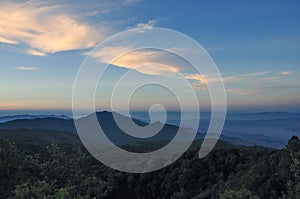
point(151, 62)
point(36, 53)
point(8, 41)
point(147, 61)
point(200, 78)
point(44, 29)
point(143, 61)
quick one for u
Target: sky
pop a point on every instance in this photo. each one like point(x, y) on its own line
point(255, 45)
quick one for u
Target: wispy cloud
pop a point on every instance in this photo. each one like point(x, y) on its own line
point(231, 79)
point(241, 84)
point(45, 28)
point(244, 91)
point(245, 76)
point(288, 72)
point(27, 68)
point(279, 76)
point(129, 2)
point(256, 83)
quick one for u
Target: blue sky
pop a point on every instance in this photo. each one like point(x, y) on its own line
point(255, 45)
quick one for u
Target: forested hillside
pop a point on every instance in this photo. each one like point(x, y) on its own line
point(68, 171)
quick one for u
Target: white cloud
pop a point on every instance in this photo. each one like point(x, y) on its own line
point(45, 28)
point(27, 68)
point(149, 24)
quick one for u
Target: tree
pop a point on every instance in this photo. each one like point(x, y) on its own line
point(293, 185)
point(240, 194)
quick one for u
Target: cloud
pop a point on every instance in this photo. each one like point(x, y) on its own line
point(272, 78)
point(128, 2)
point(144, 61)
point(244, 91)
point(8, 41)
point(240, 84)
point(27, 68)
point(241, 77)
point(199, 78)
point(45, 28)
point(288, 72)
point(36, 52)
point(255, 82)
point(231, 79)
point(279, 76)
point(147, 61)
point(96, 12)
point(149, 24)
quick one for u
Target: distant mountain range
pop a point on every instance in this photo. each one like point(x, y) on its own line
point(270, 129)
point(48, 128)
point(29, 117)
point(272, 132)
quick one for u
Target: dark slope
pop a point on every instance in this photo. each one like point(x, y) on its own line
point(39, 137)
point(47, 130)
point(48, 123)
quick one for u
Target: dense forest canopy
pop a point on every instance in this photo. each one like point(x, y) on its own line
point(69, 171)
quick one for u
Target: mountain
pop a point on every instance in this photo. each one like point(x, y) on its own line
point(47, 123)
point(269, 132)
point(270, 129)
point(43, 131)
point(50, 125)
point(39, 137)
point(30, 117)
point(266, 132)
point(262, 115)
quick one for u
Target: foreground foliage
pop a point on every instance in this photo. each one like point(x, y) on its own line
point(65, 171)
